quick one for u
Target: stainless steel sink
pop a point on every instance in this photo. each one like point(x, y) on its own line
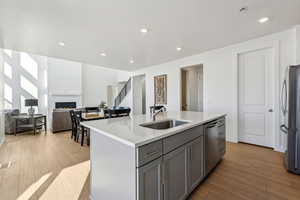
point(165, 124)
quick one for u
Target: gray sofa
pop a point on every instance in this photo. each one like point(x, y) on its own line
point(10, 122)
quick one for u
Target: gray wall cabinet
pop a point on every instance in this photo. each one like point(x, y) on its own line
point(150, 181)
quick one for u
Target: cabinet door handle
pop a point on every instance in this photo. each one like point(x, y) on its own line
point(152, 153)
point(162, 191)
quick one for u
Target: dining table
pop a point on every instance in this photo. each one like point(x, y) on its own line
point(110, 113)
point(92, 116)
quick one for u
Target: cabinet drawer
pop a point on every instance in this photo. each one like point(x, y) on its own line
point(148, 152)
point(179, 139)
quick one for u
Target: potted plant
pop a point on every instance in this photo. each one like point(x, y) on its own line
point(103, 105)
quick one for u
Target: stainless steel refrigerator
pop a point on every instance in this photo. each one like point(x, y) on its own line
point(290, 108)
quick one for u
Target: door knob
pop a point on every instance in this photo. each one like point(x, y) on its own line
point(270, 110)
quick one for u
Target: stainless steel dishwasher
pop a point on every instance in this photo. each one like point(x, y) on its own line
point(215, 145)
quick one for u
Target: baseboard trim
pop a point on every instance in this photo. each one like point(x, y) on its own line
point(279, 149)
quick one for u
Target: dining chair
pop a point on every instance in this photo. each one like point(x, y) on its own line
point(81, 130)
point(74, 125)
point(123, 112)
point(106, 113)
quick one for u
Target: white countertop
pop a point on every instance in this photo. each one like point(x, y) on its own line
point(127, 130)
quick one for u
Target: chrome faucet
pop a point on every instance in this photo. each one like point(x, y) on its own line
point(153, 113)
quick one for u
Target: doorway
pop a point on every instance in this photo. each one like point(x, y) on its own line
point(139, 94)
point(256, 97)
point(192, 88)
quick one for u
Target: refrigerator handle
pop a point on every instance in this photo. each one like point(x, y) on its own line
point(285, 97)
point(284, 129)
point(281, 96)
point(283, 102)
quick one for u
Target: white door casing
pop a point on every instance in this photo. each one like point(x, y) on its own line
point(256, 97)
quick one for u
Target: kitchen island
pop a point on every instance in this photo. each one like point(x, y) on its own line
point(133, 158)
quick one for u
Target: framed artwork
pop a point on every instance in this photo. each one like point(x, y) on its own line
point(160, 89)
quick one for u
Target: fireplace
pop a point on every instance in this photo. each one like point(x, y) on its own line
point(65, 105)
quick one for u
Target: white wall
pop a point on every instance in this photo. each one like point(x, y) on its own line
point(64, 83)
point(64, 77)
point(86, 84)
point(297, 30)
point(123, 76)
point(95, 81)
point(220, 77)
point(2, 134)
point(138, 93)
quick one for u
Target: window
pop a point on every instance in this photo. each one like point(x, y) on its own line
point(29, 87)
point(46, 100)
point(7, 93)
point(7, 70)
point(29, 64)
point(8, 52)
point(25, 79)
point(23, 108)
point(7, 105)
point(7, 97)
point(46, 78)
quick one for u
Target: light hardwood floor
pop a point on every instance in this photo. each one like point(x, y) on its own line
point(53, 166)
point(43, 166)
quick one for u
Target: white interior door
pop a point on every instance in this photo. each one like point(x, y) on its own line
point(194, 88)
point(256, 95)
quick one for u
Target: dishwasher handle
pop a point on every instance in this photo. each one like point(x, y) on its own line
point(212, 125)
point(217, 123)
point(221, 123)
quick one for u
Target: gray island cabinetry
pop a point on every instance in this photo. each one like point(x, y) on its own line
point(146, 164)
point(177, 170)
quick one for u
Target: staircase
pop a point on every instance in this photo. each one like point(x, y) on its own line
point(123, 93)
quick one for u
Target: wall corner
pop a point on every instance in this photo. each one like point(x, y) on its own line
point(297, 44)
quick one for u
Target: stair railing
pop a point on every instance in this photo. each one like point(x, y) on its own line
point(123, 93)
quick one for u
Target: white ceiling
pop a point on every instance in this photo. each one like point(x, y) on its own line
point(88, 27)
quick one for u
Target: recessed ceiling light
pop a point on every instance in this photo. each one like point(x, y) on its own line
point(144, 30)
point(131, 61)
point(61, 44)
point(263, 20)
point(103, 54)
point(178, 48)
